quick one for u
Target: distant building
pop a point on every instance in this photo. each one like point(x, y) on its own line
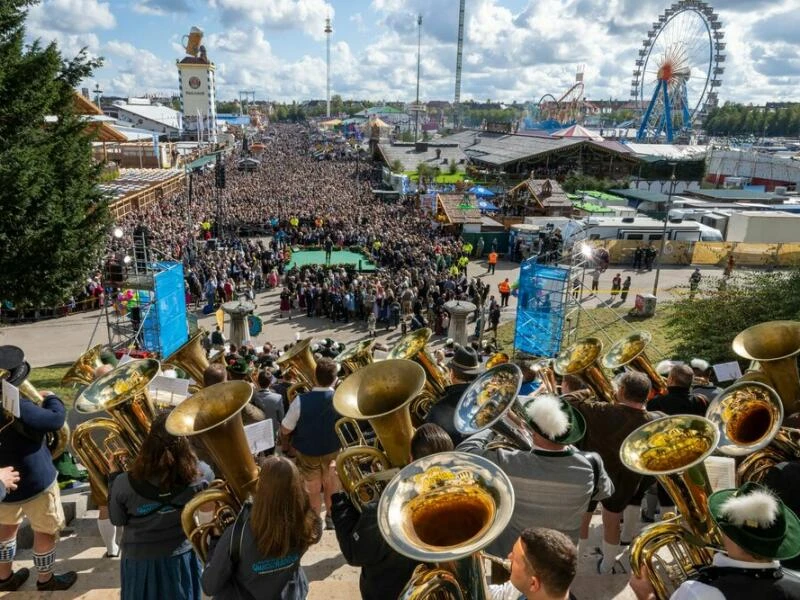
point(141, 114)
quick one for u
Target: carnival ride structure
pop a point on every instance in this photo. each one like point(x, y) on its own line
point(552, 114)
point(678, 71)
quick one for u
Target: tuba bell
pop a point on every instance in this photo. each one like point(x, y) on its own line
point(630, 352)
point(352, 359)
point(123, 394)
point(299, 364)
point(82, 370)
point(673, 450)
point(443, 510)
point(490, 402)
point(191, 358)
point(774, 346)
point(412, 347)
point(583, 358)
point(214, 416)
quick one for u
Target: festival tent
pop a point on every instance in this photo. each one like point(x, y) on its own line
point(487, 206)
point(481, 192)
point(576, 132)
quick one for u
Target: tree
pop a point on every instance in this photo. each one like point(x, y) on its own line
point(55, 219)
point(396, 166)
point(705, 326)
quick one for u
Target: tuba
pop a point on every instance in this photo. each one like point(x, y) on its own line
point(56, 441)
point(673, 450)
point(381, 393)
point(352, 359)
point(490, 402)
point(412, 347)
point(582, 358)
point(214, 416)
point(191, 358)
point(443, 510)
point(299, 364)
point(630, 352)
point(82, 370)
point(774, 345)
point(123, 394)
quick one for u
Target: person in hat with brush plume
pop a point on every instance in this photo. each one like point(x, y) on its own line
point(758, 531)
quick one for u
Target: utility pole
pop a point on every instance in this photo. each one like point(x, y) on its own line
point(328, 31)
point(672, 183)
point(417, 107)
point(98, 94)
point(459, 53)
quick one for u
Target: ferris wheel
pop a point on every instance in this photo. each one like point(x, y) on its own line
point(679, 70)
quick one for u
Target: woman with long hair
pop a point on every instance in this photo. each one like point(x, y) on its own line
point(258, 556)
point(157, 560)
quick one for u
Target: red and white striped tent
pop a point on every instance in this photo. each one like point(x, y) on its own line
point(576, 131)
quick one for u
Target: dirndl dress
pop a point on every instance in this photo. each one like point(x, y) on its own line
point(175, 577)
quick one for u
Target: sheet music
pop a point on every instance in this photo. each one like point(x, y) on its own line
point(728, 371)
point(721, 472)
point(260, 436)
point(169, 390)
point(11, 398)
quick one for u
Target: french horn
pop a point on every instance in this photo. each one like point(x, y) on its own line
point(442, 510)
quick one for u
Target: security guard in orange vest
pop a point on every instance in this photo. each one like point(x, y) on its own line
point(504, 287)
point(492, 262)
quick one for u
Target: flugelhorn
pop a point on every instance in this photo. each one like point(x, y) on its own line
point(673, 450)
point(583, 358)
point(442, 510)
point(82, 370)
point(490, 402)
point(214, 416)
point(123, 394)
point(630, 352)
point(774, 345)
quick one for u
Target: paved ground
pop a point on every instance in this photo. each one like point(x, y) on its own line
point(62, 340)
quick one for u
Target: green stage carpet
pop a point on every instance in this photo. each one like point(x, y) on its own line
point(338, 257)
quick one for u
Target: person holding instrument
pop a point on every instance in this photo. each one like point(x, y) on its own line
point(258, 556)
point(157, 560)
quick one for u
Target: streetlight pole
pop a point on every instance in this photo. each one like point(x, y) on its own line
point(416, 108)
point(672, 183)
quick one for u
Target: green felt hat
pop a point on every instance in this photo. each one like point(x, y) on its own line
point(538, 418)
point(755, 519)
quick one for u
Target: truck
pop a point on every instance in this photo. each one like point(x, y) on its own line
point(639, 228)
point(763, 227)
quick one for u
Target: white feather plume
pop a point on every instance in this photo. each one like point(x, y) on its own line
point(547, 414)
point(759, 509)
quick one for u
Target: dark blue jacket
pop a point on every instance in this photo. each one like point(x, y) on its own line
point(315, 434)
point(22, 446)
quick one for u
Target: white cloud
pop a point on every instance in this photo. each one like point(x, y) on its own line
point(137, 73)
point(307, 16)
point(71, 16)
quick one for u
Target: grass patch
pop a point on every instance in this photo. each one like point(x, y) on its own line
point(595, 321)
point(49, 378)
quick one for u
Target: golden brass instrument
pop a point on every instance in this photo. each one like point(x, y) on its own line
point(629, 352)
point(360, 355)
point(490, 402)
point(298, 363)
point(498, 358)
point(544, 371)
point(442, 510)
point(191, 358)
point(785, 446)
point(56, 441)
point(214, 415)
point(583, 358)
point(294, 390)
point(412, 347)
point(673, 450)
point(123, 394)
point(774, 345)
point(82, 370)
point(380, 393)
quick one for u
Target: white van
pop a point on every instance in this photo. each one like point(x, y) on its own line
point(640, 228)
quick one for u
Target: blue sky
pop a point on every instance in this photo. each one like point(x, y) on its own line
point(514, 49)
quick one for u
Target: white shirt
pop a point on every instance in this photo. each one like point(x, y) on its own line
point(505, 591)
point(694, 590)
point(293, 414)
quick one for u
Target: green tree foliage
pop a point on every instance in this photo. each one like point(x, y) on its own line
point(574, 183)
point(733, 119)
point(396, 166)
point(705, 326)
point(54, 217)
point(452, 167)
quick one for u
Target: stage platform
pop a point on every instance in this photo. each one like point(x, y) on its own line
point(301, 258)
